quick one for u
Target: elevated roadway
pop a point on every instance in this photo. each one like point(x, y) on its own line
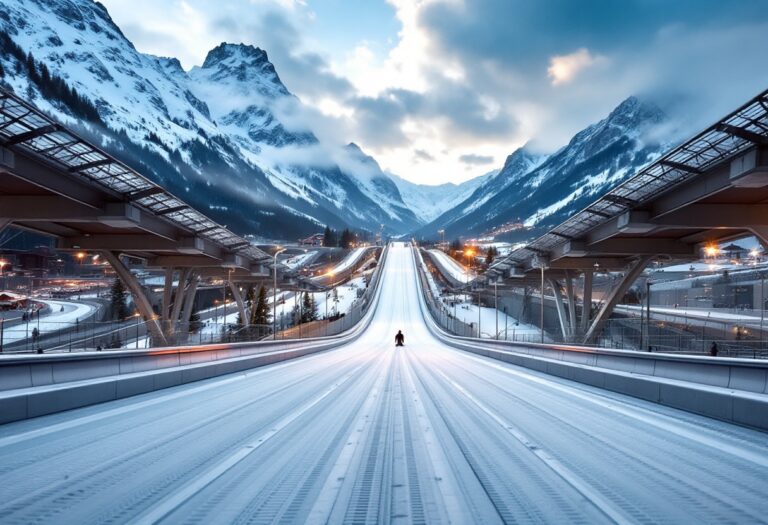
point(368, 433)
point(711, 188)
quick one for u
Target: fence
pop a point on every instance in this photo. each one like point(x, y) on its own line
point(674, 334)
point(439, 311)
point(38, 335)
point(345, 321)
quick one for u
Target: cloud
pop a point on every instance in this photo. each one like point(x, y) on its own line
point(476, 160)
point(421, 155)
point(563, 68)
point(305, 73)
point(484, 76)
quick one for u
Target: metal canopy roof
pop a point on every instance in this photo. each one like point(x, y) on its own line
point(725, 139)
point(24, 126)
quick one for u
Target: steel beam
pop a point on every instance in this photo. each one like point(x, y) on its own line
point(51, 180)
point(571, 298)
point(31, 134)
point(561, 316)
point(614, 297)
point(165, 308)
point(716, 216)
point(139, 297)
point(633, 246)
point(178, 298)
point(754, 138)
point(586, 308)
point(189, 302)
point(142, 242)
point(90, 165)
point(240, 303)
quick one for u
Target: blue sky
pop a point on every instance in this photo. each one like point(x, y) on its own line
point(443, 90)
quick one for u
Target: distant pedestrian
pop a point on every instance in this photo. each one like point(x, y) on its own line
point(713, 349)
point(399, 338)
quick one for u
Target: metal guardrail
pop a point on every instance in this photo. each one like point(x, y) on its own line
point(39, 336)
point(681, 338)
point(344, 322)
point(438, 310)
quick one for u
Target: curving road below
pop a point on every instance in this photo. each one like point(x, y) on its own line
point(372, 434)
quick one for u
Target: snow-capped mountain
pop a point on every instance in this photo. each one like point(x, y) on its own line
point(542, 191)
point(213, 135)
point(429, 202)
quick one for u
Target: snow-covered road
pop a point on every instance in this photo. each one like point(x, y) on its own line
point(373, 434)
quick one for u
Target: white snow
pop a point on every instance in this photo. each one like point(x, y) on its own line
point(450, 265)
point(434, 434)
point(51, 322)
point(297, 261)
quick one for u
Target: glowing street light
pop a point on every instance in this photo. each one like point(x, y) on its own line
point(711, 250)
point(274, 293)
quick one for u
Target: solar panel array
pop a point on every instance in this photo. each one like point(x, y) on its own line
point(723, 140)
point(24, 126)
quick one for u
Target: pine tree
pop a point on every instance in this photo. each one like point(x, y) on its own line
point(118, 298)
point(261, 311)
point(490, 255)
point(346, 238)
point(329, 237)
point(309, 308)
point(195, 323)
point(250, 301)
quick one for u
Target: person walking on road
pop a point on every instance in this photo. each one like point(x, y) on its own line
point(713, 349)
point(399, 338)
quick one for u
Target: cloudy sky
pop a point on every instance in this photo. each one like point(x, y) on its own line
point(444, 90)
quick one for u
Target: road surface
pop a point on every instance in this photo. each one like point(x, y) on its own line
point(373, 434)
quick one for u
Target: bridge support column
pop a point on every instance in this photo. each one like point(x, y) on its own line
point(165, 310)
point(139, 297)
point(240, 303)
point(178, 300)
point(4, 223)
point(761, 232)
point(571, 298)
point(189, 302)
point(586, 308)
point(615, 296)
point(561, 316)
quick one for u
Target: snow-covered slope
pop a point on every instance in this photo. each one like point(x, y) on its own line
point(429, 202)
point(542, 191)
point(209, 135)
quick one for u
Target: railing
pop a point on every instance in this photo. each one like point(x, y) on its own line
point(345, 321)
point(439, 311)
point(692, 336)
point(39, 336)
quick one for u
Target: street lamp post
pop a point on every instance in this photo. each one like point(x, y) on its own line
point(138, 316)
point(274, 293)
point(762, 307)
point(2, 265)
point(648, 284)
point(496, 305)
point(541, 309)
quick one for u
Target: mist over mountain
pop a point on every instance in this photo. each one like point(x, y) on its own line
point(213, 135)
point(532, 193)
point(220, 137)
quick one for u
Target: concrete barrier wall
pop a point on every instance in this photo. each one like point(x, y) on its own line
point(36, 385)
point(734, 390)
point(24, 403)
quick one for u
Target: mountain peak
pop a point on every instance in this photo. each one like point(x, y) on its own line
point(243, 53)
point(246, 65)
point(633, 111)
